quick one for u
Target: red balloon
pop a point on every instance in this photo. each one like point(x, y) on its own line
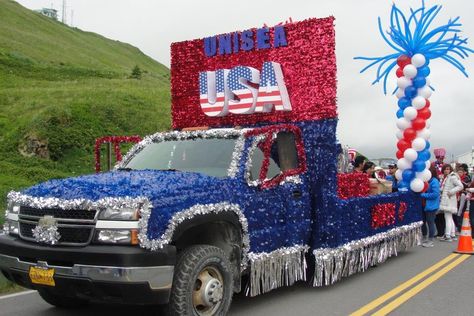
point(409, 134)
point(418, 123)
point(403, 145)
point(425, 188)
point(427, 103)
point(399, 72)
point(424, 113)
point(403, 60)
point(399, 154)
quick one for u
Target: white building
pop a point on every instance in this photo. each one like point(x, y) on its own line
point(50, 13)
point(467, 158)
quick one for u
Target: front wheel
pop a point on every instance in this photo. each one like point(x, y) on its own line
point(202, 283)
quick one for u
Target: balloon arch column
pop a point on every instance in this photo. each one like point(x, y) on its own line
point(416, 43)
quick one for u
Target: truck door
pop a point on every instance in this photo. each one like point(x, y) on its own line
point(278, 172)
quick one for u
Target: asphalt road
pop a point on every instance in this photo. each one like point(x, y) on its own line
point(451, 294)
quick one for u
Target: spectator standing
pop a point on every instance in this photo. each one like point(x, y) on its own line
point(462, 195)
point(470, 197)
point(392, 168)
point(431, 206)
point(439, 153)
point(450, 185)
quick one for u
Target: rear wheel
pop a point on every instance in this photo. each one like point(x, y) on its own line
point(203, 282)
point(61, 301)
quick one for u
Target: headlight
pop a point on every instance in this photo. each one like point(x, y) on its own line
point(109, 236)
point(122, 214)
point(11, 225)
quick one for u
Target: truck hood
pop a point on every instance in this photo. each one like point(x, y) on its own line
point(153, 184)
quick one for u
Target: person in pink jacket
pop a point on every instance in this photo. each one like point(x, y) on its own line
point(450, 185)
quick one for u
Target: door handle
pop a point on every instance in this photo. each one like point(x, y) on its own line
point(297, 194)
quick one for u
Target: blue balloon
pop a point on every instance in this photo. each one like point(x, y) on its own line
point(403, 103)
point(427, 145)
point(410, 92)
point(419, 165)
point(402, 184)
point(408, 175)
point(419, 81)
point(424, 155)
point(400, 113)
point(424, 71)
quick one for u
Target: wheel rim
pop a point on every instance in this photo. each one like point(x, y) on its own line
point(208, 291)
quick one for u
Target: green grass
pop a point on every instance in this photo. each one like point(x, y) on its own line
point(66, 87)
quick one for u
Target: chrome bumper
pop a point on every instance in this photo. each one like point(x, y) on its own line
point(158, 278)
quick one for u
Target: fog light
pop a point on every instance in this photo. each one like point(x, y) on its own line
point(11, 227)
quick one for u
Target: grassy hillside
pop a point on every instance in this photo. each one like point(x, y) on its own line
point(61, 87)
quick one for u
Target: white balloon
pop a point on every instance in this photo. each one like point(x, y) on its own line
point(418, 102)
point(403, 82)
point(400, 93)
point(424, 133)
point(399, 134)
point(427, 124)
point(418, 144)
point(410, 113)
point(428, 82)
point(425, 92)
point(418, 60)
point(399, 174)
point(410, 154)
point(425, 175)
point(403, 164)
point(427, 164)
point(403, 123)
point(417, 185)
point(410, 71)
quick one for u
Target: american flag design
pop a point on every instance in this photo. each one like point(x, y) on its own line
point(236, 91)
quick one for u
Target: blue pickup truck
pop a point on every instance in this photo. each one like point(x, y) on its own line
point(243, 195)
point(187, 214)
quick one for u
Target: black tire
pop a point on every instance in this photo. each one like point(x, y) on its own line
point(60, 301)
point(194, 263)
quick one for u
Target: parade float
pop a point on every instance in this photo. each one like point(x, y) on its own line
point(248, 183)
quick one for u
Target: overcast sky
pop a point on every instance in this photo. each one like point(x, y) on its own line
point(366, 116)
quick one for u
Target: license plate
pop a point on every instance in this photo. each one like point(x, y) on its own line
point(42, 276)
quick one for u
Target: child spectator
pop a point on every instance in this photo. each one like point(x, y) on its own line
point(431, 197)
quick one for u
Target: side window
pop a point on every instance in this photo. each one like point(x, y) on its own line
point(283, 156)
point(257, 162)
point(284, 151)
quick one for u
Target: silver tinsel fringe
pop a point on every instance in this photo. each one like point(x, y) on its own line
point(76, 204)
point(178, 218)
point(332, 264)
point(281, 267)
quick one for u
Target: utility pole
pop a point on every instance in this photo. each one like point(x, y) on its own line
point(72, 18)
point(64, 12)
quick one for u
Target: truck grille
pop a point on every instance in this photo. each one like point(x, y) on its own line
point(76, 227)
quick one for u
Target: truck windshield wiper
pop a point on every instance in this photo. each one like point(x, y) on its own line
point(124, 169)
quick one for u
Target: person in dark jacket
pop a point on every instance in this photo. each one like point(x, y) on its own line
point(432, 197)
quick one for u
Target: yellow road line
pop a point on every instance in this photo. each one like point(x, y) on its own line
point(412, 292)
point(382, 299)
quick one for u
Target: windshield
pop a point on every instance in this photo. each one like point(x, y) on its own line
point(210, 156)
